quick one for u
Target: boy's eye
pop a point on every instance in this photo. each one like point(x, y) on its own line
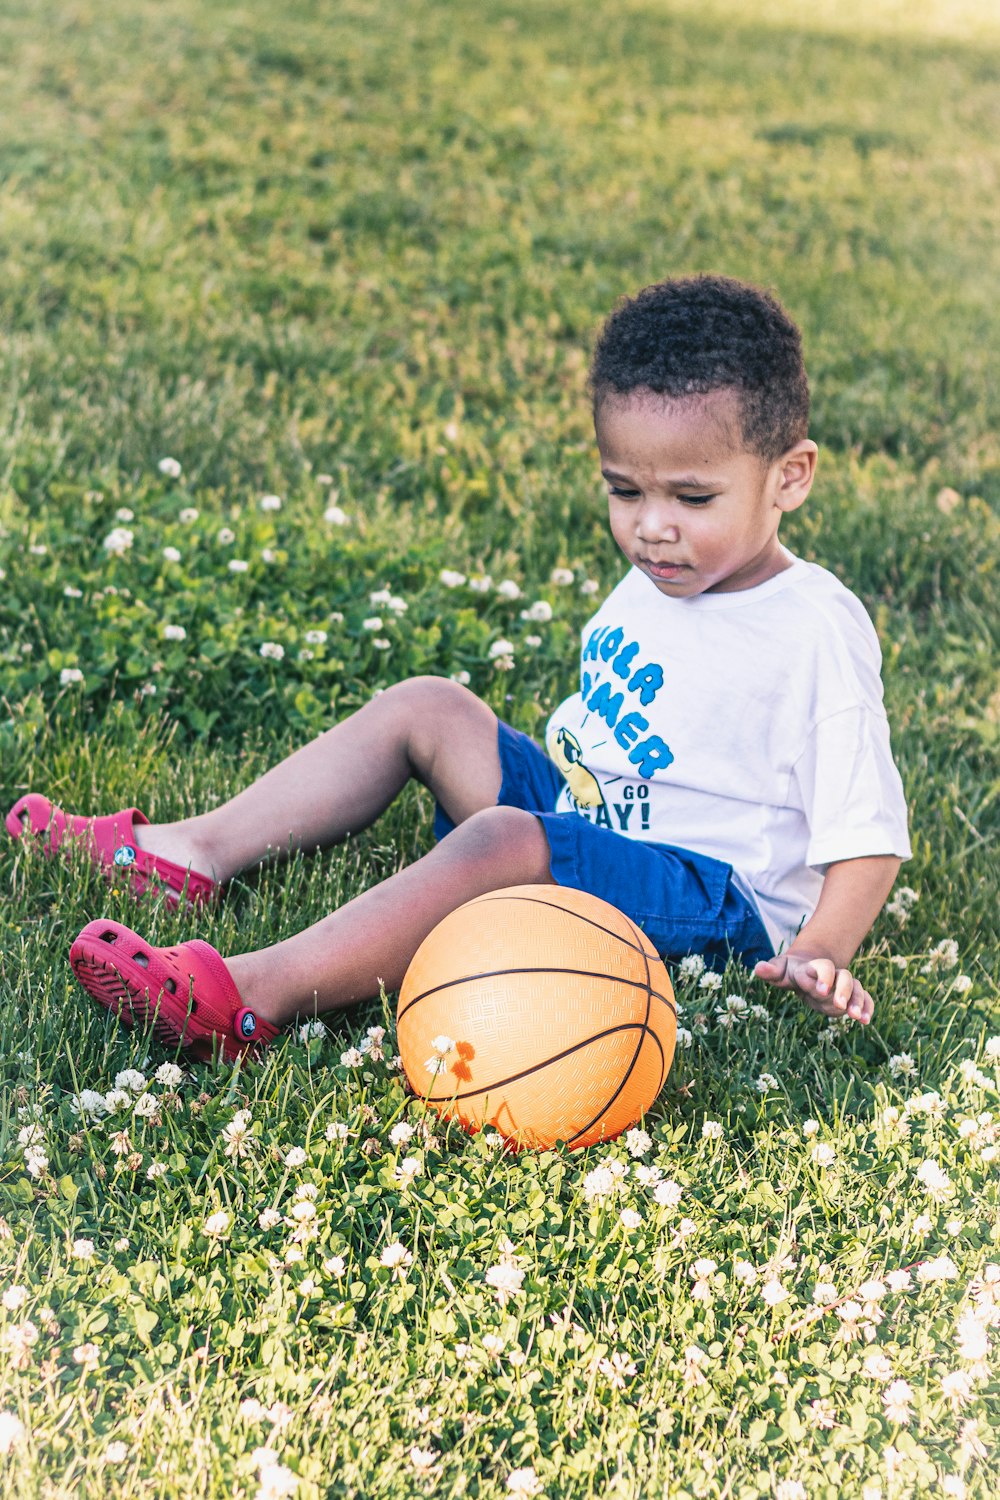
point(697, 499)
point(614, 489)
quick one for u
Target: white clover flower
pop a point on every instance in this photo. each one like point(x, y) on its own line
point(334, 516)
point(401, 1133)
point(156, 1169)
point(823, 1155)
point(944, 955)
point(188, 515)
point(12, 1431)
point(324, 479)
point(170, 467)
point(451, 579)
point(130, 1078)
point(480, 583)
point(409, 1168)
point(766, 1083)
point(381, 643)
point(773, 1292)
point(961, 984)
point(668, 1194)
point(539, 613)
point(991, 1048)
point(902, 1065)
point(462, 677)
point(691, 967)
point(878, 1366)
point(352, 1058)
point(124, 514)
point(69, 675)
point(561, 576)
point(524, 1483)
point(897, 1400)
point(599, 1183)
point(898, 1281)
point(217, 1223)
point(506, 1280)
point(237, 565)
point(169, 1075)
point(533, 641)
point(973, 1342)
point(272, 651)
point(500, 648)
point(303, 1210)
point(70, 592)
point(934, 1178)
point(118, 541)
point(295, 1156)
point(589, 586)
point(629, 1218)
point(116, 1099)
point(685, 1038)
point(712, 1130)
point(745, 1271)
point(146, 1106)
point(225, 535)
point(311, 1030)
point(423, 1460)
point(335, 1265)
point(83, 1249)
point(942, 1268)
point(637, 1142)
point(710, 981)
point(171, 554)
point(38, 549)
point(116, 1452)
point(508, 589)
point(316, 637)
point(14, 1297)
point(396, 1256)
point(268, 1218)
point(173, 633)
point(374, 622)
point(270, 502)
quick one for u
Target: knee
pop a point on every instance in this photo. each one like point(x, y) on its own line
point(428, 708)
point(506, 840)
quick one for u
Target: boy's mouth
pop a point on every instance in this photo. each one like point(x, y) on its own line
point(664, 570)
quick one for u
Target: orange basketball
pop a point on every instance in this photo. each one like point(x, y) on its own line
point(541, 1011)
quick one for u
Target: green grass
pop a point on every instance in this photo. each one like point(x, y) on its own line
point(358, 254)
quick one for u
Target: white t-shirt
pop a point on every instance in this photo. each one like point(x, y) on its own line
point(747, 726)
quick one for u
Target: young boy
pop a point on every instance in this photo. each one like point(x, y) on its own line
point(723, 774)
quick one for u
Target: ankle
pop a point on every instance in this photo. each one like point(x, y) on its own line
point(181, 844)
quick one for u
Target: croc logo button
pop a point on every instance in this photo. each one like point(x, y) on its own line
point(248, 1024)
point(125, 855)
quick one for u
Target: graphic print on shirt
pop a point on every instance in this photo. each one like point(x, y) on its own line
point(613, 689)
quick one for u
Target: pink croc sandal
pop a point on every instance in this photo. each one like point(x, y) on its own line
point(111, 843)
point(185, 993)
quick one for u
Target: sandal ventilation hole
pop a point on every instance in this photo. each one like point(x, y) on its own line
point(171, 985)
point(142, 959)
point(108, 937)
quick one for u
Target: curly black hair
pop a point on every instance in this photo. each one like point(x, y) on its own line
point(696, 334)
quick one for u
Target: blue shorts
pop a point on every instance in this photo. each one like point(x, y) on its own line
point(684, 902)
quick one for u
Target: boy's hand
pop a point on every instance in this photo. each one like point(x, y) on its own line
point(831, 991)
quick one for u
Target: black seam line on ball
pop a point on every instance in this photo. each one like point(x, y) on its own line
point(569, 912)
point(628, 1072)
point(499, 1083)
point(546, 969)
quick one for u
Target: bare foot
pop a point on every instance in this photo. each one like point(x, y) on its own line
point(174, 841)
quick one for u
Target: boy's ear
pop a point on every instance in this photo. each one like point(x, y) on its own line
point(794, 474)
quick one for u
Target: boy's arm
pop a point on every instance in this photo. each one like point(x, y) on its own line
point(854, 891)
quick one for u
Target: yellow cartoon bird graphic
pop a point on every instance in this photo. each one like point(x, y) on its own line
point(564, 749)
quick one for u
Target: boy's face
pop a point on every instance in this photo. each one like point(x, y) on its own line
point(689, 505)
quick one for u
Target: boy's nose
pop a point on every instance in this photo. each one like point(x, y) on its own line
point(649, 531)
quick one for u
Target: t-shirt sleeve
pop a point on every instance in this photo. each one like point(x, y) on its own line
point(851, 792)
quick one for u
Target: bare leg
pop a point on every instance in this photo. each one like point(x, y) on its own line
point(427, 727)
point(341, 958)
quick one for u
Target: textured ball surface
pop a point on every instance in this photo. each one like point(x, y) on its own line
point(559, 1012)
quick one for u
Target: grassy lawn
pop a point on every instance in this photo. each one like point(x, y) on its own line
point(354, 256)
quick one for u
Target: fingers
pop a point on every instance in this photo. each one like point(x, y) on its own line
point(840, 995)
